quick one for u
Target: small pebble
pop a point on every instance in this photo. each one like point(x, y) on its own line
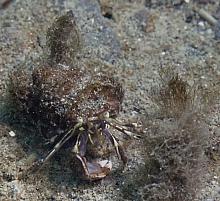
point(201, 24)
point(209, 31)
point(12, 133)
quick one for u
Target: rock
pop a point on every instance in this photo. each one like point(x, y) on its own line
point(12, 133)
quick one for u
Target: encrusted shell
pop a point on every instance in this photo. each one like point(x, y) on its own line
point(58, 96)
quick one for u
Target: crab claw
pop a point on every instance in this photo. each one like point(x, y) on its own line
point(95, 170)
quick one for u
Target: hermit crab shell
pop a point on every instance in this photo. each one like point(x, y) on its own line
point(58, 96)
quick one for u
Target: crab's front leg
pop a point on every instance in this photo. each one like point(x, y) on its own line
point(115, 142)
point(92, 170)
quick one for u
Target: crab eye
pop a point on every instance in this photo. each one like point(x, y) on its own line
point(106, 115)
point(80, 120)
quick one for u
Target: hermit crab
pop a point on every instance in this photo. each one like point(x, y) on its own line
point(74, 103)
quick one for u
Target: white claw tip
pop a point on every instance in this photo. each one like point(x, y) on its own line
point(106, 164)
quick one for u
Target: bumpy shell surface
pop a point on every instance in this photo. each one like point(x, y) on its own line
point(58, 96)
point(63, 39)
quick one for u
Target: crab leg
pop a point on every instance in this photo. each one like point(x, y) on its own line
point(65, 138)
point(92, 170)
point(120, 126)
point(95, 170)
point(114, 141)
point(81, 142)
point(124, 129)
point(117, 125)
